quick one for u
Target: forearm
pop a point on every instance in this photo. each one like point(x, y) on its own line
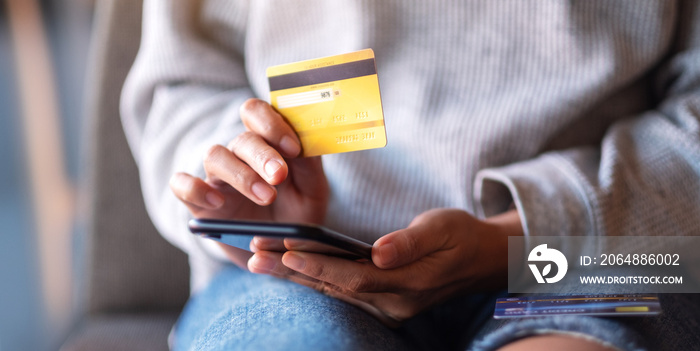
point(176, 103)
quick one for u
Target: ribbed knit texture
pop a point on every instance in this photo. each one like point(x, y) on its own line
point(582, 113)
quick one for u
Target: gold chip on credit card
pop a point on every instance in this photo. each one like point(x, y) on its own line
point(333, 103)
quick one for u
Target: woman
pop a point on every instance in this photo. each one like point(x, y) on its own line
point(502, 119)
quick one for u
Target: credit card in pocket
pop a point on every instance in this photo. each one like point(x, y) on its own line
point(333, 103)
point(626, 305)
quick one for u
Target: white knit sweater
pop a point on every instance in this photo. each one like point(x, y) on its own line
point(585, 114)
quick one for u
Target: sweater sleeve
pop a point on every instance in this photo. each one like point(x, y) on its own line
point(642, 180)
point(181, 97)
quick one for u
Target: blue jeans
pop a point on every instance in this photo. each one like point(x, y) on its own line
point(244, 311)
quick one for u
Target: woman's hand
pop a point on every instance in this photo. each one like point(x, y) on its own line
point(442, 253)
point(257, 177)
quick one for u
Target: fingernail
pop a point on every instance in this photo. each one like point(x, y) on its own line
point(262, 264)
point(388, 254)
point(214, 199)
point(293, 261)
point(262, 191)
point(271, 167)
point(289, 146)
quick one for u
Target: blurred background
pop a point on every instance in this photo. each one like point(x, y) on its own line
point(43, 58)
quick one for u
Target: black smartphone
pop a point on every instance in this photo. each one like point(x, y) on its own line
point(306, 237)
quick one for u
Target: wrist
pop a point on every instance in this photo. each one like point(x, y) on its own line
point(507, 223)
point(493, 246)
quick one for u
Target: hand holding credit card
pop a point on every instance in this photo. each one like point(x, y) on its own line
point(332, 103)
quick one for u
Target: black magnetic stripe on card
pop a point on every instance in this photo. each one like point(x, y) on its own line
point(323, 75)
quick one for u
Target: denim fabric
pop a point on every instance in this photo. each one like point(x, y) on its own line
point(244, 311)
point(606, 332)
point(677, 328)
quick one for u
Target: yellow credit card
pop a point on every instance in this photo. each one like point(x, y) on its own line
point(333, 103)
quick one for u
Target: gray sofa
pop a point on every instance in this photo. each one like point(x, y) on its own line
point(135, 282)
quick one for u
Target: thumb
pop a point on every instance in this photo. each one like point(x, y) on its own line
point(405, 246)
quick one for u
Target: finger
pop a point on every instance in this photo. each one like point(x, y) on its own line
point(222, 165)
point(260, 118)
point(406, 245)
point(352, 276)
point(268, 262)
point(195, 192)
point(261, 243)
point(315, 247)
point(266, 161)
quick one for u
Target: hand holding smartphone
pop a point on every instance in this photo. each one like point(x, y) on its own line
point(304, 237)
